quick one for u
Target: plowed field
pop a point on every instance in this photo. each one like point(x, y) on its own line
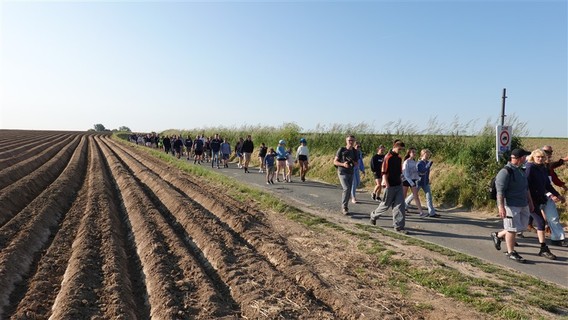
point(93, 229)
point(90, 230)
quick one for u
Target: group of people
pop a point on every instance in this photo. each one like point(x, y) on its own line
point(281, 162)
point(274, 162)
point(526, 197)
point(392, 173)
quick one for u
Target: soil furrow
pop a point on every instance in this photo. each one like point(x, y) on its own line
point(29, 150)
point(46, 282)
point(177, 286)
point(16, 196)
point(94, 284)
point(251, 225)
point(15, 144)
point(248, 273)
point(21, 241)
point(12, 174)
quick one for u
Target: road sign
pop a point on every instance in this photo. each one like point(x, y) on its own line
point(503, 137)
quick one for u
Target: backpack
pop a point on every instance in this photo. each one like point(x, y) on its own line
point(493, 187)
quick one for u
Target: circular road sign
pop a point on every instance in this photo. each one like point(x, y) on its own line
point(504, 138)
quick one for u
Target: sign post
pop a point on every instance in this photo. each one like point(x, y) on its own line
point(503, 143)
point(503, 132)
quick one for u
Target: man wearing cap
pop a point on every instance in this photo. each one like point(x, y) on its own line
point(552, 165)
point(514, 203)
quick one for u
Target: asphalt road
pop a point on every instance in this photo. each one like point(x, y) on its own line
point(466, 232)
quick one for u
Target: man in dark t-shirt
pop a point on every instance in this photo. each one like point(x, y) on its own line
point(345, 159)
point(394, 197)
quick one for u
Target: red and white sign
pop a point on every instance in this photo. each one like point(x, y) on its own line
point(505, 138)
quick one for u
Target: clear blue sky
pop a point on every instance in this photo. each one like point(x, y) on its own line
point(162, 65)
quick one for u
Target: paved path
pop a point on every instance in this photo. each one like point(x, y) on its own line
point(461, 231)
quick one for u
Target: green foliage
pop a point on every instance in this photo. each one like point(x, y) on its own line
point(99, 127)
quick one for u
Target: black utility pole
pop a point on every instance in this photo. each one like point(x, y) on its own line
point(503, 107)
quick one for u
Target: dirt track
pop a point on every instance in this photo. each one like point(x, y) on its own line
point(92, 229)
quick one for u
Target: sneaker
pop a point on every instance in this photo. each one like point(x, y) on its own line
point(423, 214)
point(379, 199)
point(496, 241)
point(513, 255)
point(345, 211)
point(271, 181)
point(435, 215)
point(545, 252)
point(374, 196)
point(373, 221)
point(267, 182)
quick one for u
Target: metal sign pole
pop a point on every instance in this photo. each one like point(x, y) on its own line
point(503, 107)
point(502, 133)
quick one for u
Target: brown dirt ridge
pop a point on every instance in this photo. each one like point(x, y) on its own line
point(90, 228)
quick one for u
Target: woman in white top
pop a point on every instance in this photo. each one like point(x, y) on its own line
point(302, 157)
point(410, 177)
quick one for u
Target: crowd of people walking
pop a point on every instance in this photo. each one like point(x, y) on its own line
point(526, 197)
point(279, 162)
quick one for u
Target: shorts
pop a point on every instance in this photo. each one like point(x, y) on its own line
point(270, 169)
point(378, 175)
point(517, 219)
point(302, 157)
point(406, 184)
point(226, 156)
point(198, 152)
point(247, 156)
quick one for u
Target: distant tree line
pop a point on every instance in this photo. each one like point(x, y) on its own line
point(101, 128)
